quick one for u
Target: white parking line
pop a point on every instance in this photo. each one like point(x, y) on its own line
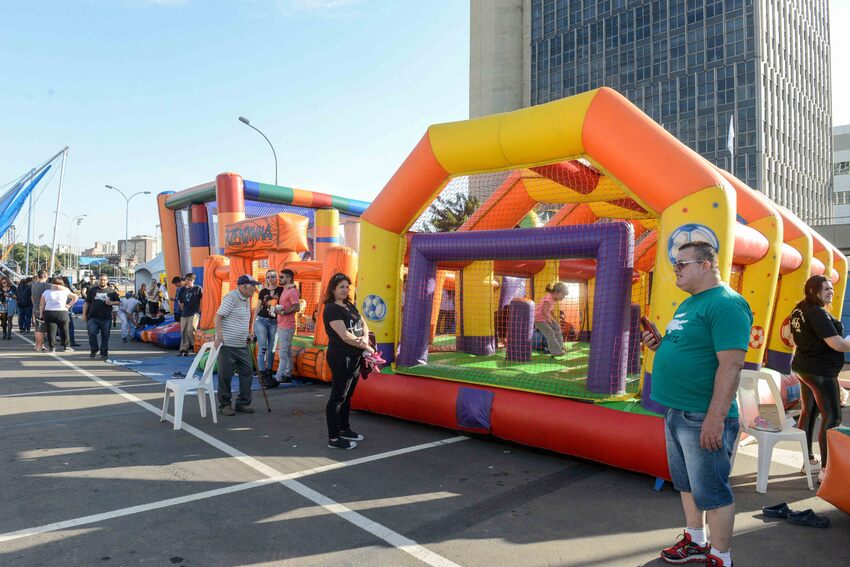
point(391, 537)
point(281, 478)
point(75, 390)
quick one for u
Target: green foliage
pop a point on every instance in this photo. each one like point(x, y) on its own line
point(448, 214)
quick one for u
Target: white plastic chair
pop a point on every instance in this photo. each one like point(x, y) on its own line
point(202, 387)
point(755, 386)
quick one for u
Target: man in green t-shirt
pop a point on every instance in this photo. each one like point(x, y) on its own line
point(695, 375)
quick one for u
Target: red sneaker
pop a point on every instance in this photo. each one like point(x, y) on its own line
point(714, 561)
point(686, 551)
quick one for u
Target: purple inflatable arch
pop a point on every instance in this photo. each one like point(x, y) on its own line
point(611, 244)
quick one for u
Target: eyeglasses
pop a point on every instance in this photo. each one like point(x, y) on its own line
point(678, 266)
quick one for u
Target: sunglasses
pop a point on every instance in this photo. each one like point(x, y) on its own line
point(679, 266)
point(271, 276)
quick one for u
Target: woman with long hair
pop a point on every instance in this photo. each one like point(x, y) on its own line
point(348, 345)
point(55, 302)
point(142, 296)
point(817, 362)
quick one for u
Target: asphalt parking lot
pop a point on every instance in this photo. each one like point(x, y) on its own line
point(92, 477)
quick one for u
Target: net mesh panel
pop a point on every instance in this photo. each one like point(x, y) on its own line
point(181, 218)
point(474, 302)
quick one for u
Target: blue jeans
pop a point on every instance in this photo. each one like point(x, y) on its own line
point(693, 469)
point(24, 318)
point(284, 344)
point(100, 327)
point(265, 329)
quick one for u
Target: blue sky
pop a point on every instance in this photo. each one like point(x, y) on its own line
point(147, 94)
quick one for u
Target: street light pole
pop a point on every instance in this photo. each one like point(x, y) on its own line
point(127, 219)
point(247, 123)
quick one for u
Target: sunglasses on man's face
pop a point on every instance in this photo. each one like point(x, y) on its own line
point(679, 266)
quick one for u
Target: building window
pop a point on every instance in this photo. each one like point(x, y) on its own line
point(841, 168)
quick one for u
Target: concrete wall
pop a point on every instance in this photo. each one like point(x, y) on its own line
point(497, 56)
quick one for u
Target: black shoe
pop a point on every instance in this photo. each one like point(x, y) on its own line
point(351, 435)
point(185, 353)
point(181, 353)
point(340, 443)
point(93, 354)
point(241, 408)
point(268, 380)
point(286, 380)
point(104, 358)
point(124, 340)
point(226, 410)
point(75, 344)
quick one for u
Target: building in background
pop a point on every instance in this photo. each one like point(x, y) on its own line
point(8, 238)
point(137, 250)
point(101, 249)
point(693, 67)
point(841, 173)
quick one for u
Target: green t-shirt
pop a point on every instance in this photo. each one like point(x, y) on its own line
point(683, 371)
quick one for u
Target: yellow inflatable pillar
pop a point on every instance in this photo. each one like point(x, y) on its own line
point(478, 333)
point(780, 347)
point(380, 282)
point(758, 286)
point(707, 215)
point(839, 264)
point(326, 230)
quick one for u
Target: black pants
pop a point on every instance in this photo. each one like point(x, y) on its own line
point(57, 320)
point(6, 324)
point(345, 372)
point(820, 395)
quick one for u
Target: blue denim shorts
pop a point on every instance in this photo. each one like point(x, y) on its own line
point(705, 474)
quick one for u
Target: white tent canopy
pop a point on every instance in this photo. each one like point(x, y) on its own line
point(150, 271)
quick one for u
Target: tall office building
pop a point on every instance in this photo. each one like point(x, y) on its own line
point(694, 66)
point(841, 173)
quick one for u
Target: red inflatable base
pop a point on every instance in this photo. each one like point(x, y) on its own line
point(628, 441)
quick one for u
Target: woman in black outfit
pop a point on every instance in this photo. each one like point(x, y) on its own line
point(817, 362)
point(347, 344)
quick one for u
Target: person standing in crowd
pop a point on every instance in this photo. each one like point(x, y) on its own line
point(142, 295)
point(54, 305)
point(25, 305)
point(233, 334)
point(190, 305)
point(265, 327)
point(73, 338)
point(8, 303)
point(818, 360)
point(97, 313)
point(348, 343)
point(128, 312)
point(38, 288)
point(86, 284)
point(154, 299)
point(288, 305)
point(177, 281)
point(711, 331)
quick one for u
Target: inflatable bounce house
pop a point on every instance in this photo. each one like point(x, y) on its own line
point(591, 192)
point(232, 226)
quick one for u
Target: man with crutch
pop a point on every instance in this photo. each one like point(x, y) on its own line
point(233, 335)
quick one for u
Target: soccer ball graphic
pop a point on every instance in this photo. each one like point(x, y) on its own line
point(785, 333)
point(756, 337)
point(374, 308)
point(690, 233)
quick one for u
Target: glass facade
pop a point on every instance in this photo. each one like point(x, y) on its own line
point(694, 66)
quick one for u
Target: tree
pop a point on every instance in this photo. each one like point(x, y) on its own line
point(448, 214)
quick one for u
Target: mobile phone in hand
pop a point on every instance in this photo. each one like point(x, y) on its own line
point(647, 326)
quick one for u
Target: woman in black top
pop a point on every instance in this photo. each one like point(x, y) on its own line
point(818, 360)
point(348, 342)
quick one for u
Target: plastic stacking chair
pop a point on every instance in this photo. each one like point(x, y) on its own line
point(756, 386)
point(202, 387)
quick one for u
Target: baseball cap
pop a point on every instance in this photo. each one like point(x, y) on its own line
point(245, 279)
